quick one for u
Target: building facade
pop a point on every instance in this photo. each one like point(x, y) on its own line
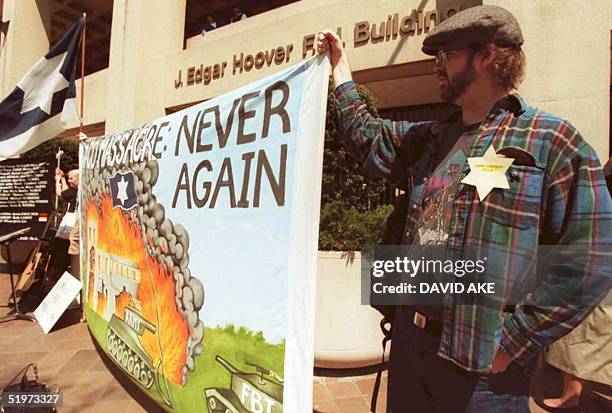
point(147, 58)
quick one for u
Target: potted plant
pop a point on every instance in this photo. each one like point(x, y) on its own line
point(353, 215)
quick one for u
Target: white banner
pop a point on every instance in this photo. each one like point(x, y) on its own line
point(199, 236)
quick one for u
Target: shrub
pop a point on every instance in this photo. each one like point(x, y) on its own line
point(352, 214)
point(48, 149)
point(348, 229)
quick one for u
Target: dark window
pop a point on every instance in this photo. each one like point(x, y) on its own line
point(419, 113)
point(65, 13)
point(221, 11)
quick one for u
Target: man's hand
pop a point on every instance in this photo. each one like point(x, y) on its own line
point(501, 361)
point(60, 181)
point(330, 41)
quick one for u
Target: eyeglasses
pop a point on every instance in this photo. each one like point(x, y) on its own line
point(442, 57)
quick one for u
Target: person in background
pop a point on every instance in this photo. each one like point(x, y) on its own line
point(585, 354)
point(210, 24)
point(67, 188)
point(74, 255)
point(237, 15)
point(68, 191)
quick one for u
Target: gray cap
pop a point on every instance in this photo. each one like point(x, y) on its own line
point(474, 26)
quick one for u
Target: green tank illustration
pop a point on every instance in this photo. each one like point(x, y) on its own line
point(124, 347)
point(256, 392)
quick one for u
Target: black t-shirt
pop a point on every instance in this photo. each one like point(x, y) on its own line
point(433, 199)
point(451, 135)
point(70, 196)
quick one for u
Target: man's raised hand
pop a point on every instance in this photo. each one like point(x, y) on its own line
point(330, 41)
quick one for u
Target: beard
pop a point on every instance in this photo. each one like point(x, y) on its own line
point(456, 86)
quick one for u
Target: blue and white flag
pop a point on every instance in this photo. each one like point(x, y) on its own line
point(43, 103)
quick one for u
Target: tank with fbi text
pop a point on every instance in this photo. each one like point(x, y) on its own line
point(260, 391)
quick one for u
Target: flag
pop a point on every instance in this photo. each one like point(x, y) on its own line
point(43, 103)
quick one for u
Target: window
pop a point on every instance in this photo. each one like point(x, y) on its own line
point(64, 13)
point(197, 12)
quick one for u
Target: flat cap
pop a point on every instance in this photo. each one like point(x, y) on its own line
point(474, 26)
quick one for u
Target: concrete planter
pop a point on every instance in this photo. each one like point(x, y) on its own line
point(347, 333)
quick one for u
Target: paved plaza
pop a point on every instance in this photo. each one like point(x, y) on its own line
point(67, 358)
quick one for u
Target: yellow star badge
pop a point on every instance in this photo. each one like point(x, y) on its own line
point(488, 172)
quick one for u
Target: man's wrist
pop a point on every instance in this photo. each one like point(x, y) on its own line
point(342, 72)
point(340, 90)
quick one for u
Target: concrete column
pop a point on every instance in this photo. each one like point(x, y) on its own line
point(144, 33)
point(27, 39)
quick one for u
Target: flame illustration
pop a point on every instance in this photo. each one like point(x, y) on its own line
point(121, 301)
point(121, 237)
point(90, 288)
point(101, 303)
point(172, 327)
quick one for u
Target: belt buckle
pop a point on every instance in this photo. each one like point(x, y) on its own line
point(419, 320)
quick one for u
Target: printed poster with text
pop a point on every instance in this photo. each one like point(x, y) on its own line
point(198, 246)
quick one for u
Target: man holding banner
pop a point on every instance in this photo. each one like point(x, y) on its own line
point(498, 178)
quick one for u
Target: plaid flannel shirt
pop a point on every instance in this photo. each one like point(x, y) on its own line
point(560, 198)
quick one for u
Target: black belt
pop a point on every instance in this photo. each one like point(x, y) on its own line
point(435, 326)
point(424, 323)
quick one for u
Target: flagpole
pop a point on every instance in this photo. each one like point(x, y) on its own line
point(83, 71)
point(58, 156)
